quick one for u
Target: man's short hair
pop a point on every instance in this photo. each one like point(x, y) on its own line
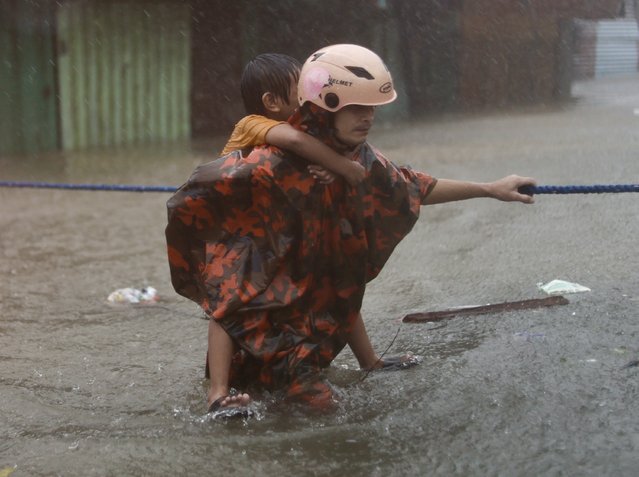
point(268, 72)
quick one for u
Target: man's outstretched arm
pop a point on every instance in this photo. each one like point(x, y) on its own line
point(505, 189)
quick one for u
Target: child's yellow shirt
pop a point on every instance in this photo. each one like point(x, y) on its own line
point(249, 131)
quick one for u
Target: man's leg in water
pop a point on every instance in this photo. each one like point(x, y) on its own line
point(361, 346)
point(221, 350)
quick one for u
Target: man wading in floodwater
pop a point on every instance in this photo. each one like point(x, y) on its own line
point(280, 262)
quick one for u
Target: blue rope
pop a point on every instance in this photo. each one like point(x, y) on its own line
point(579, 189)
point(108, 187)
point(528, 190)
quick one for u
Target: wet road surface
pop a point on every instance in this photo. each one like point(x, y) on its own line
point(93, 389)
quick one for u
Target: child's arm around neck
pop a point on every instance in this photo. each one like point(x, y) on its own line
point(312, 149)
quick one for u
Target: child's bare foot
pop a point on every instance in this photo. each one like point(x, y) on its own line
point(233, 400)
point(230, 405)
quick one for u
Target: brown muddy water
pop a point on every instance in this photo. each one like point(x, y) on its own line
point(93, 389)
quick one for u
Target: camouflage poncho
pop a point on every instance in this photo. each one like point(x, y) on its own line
point(282, 261)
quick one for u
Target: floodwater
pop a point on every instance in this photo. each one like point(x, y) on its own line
point(93, 389)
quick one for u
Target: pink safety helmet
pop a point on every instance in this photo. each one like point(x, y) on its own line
point(339, 75)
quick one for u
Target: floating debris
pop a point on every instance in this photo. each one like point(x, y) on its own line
point(559, 287)
point(133, 295)
point(484, 309)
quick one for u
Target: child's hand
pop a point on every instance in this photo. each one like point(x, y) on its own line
point(355, 173)
point(324, 176)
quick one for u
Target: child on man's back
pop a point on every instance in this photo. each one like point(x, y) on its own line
point(269, 92)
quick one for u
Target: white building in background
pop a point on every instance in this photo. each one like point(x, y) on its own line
point(608, 47)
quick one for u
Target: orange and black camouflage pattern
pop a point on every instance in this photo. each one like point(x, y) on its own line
point(282, 261)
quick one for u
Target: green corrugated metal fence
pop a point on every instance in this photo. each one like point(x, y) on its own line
point(28, 107)
point(124, 72)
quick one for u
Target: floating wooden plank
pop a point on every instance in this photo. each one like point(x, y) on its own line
point(483, 309)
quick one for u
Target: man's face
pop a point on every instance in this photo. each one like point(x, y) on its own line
point(353, 122)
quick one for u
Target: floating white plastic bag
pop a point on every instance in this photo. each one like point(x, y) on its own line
point(559, 287)
point(133, 295)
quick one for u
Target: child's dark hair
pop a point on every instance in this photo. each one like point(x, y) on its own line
point(268, 72)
